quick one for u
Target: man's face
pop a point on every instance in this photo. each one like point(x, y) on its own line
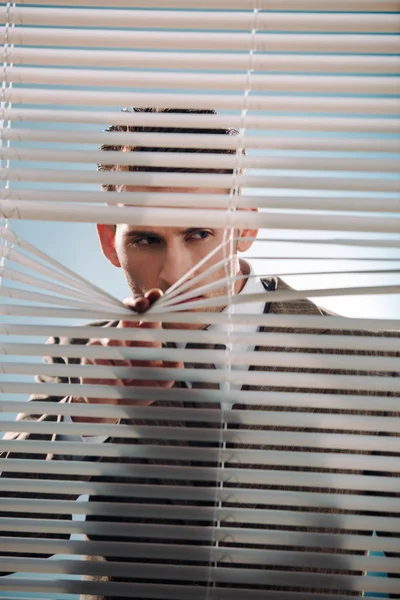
point(157, 257)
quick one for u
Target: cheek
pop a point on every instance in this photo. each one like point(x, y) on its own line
point(217, 274)
point(132, 266)
point(140, 269)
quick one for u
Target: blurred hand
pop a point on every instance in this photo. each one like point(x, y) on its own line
point(139, 304)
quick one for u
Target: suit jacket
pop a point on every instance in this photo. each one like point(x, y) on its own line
point(105, 526)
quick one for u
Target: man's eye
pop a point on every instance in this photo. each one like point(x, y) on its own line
point(148, 240)
point(201, 234)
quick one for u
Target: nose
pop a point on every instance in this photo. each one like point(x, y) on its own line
point(176, 262)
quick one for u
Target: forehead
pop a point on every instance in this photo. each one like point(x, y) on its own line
point(173, 190)
point(147, 190)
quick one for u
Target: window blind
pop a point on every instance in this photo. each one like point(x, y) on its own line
point(270, 469)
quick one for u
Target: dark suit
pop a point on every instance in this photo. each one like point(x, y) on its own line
point(143, 529)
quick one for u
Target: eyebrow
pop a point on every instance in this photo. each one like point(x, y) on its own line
point(144, 232)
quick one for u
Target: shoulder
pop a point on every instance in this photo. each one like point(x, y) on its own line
point(54, 356)
point(305, 307)
point(292, 306)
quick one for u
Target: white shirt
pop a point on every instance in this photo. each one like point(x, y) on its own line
point(253, 285)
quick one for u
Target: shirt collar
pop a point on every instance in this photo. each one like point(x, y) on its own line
point(253, 285)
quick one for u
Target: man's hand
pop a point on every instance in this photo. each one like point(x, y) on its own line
point(140, 305)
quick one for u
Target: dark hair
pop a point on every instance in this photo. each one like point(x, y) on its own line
point(186, 130)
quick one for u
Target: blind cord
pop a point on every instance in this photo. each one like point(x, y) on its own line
point(230, 277)
point(5, 122)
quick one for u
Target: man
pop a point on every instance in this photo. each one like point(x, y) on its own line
point(156, 487)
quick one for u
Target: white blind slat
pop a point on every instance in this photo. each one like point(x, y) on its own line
point(287, 5)
point(185, 217)
point(260, 102)
point(384, 342)
point(13, 275)
point(368, 43)
point(211, 81)
point(52, 266)
point(229, 455)
point(284, 399)
point(263, 378)
point(160, 591)
point(13, 293)
point(289, 320)
point(199, 494)
point(377, 204)
point(356, 144)
point(221, 574)
point(298, 360)
point(235, 62)
point(359, 124)
point(205, 160)
point(242, 535)
point(270, 21)
point(224, 555)
point(205, 514)
point(251, 422)
point(250, 432)
point(14, 256)
point(249, 476)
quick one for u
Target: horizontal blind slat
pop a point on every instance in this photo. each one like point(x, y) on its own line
point(170, 217)
point(243, 476)
point(384, 341)
point(203, 121)
point(377, 204)
point(195, 494)
point(176, 40)
point(263, 358)
point(159, 592)
point(256, 418)
point(229, 456)
point(273, 414)
point(287, 5)
point(204, 180)
point(263, 378)
point(287, 518)
point(323, 104)
point(286, 142)
point(221, 555)
point(344, 402)
point(14, 275)
point(254, 577)
point(265, 320)
point(254, 436)
point(205, 160)
point(229, 62)
point(234, 576)
point(338, 84)
point(242, 535)
point(270, 21)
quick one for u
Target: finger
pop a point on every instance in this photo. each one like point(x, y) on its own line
point(153, 295)
point(173, 365)
point(107, 342)
point(95, 342)
point(137, 304)
point(138, 342)
point(132, 303)
point(150, 324)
